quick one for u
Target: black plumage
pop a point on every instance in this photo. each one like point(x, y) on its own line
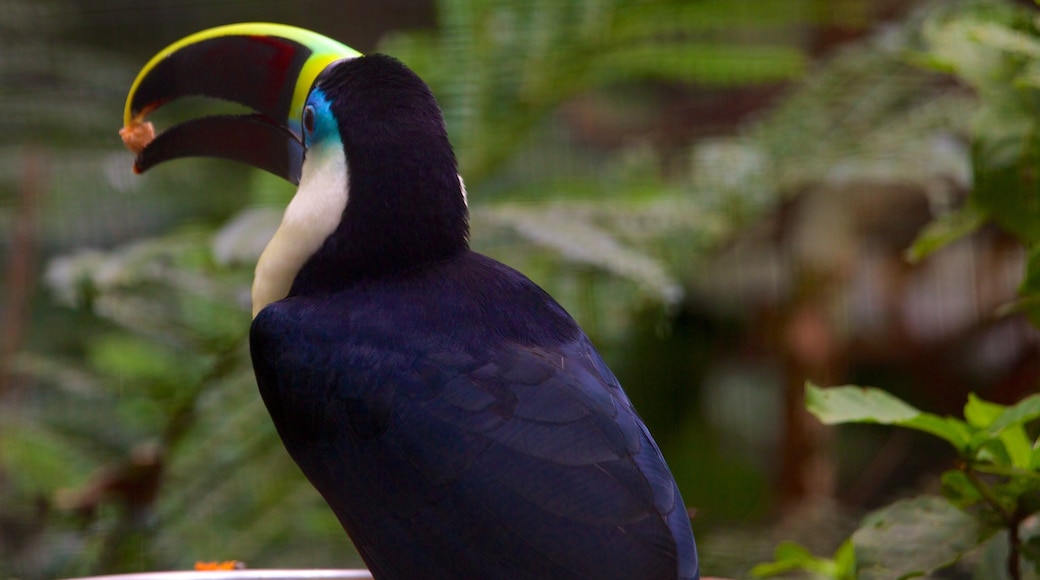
point(454, 416)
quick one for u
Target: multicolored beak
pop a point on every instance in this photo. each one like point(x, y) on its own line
point(269, 68)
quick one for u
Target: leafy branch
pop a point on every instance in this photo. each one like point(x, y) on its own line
point(995, 486)
point(992, 495)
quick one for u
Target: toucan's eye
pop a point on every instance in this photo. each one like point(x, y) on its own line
point(308, 119)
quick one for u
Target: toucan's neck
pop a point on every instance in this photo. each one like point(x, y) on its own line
point(379, 191)
point(405, 208)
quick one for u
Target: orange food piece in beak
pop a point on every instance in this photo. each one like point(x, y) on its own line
point(136, 136)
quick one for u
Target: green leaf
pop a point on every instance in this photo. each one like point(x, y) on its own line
point(1008, 471)
point(989, 450)
point(1034, 456)
point(957, 432)
point(791, 557)
point(980, 413)
point(1002, 437)
point(958, 489)
point(788, 557)
point(845, 560)
point(1006, 447)
point(914, 537)
point(1022, 412)
point(852, 404)
point(945, 229)
point(1018, 447)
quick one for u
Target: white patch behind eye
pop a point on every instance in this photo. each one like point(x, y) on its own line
point(311, 217)
point(462, 186)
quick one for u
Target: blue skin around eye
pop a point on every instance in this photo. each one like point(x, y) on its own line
point(325, 127)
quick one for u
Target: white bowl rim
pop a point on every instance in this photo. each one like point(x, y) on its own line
point(246, 574)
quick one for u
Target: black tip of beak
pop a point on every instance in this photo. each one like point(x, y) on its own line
point(252, 139)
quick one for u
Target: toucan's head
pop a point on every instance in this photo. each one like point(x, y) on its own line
point(379, 191)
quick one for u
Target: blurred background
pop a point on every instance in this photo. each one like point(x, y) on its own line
point(722, 192)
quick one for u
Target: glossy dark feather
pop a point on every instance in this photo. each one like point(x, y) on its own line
point(468, 430)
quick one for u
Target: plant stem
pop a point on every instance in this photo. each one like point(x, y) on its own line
point(1007, 515)
point(1012, 520)
point(1014, 547)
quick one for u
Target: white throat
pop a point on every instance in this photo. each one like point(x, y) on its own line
point(309, 219)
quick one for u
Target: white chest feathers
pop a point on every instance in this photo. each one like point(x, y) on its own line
point(310, 218)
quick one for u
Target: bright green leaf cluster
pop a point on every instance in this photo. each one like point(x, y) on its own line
point(867, 405)
point(792, 557)
point(989, 433)
point(996, 486)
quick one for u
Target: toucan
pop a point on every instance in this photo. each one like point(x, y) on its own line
point(455, 418)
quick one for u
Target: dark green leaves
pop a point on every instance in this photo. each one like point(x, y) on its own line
point(914, 537)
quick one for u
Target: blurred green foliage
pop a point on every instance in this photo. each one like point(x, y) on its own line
point(499, 68)
point(139, 441)
point(989, 501)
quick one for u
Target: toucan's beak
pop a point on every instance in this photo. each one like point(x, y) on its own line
point(267, 67)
